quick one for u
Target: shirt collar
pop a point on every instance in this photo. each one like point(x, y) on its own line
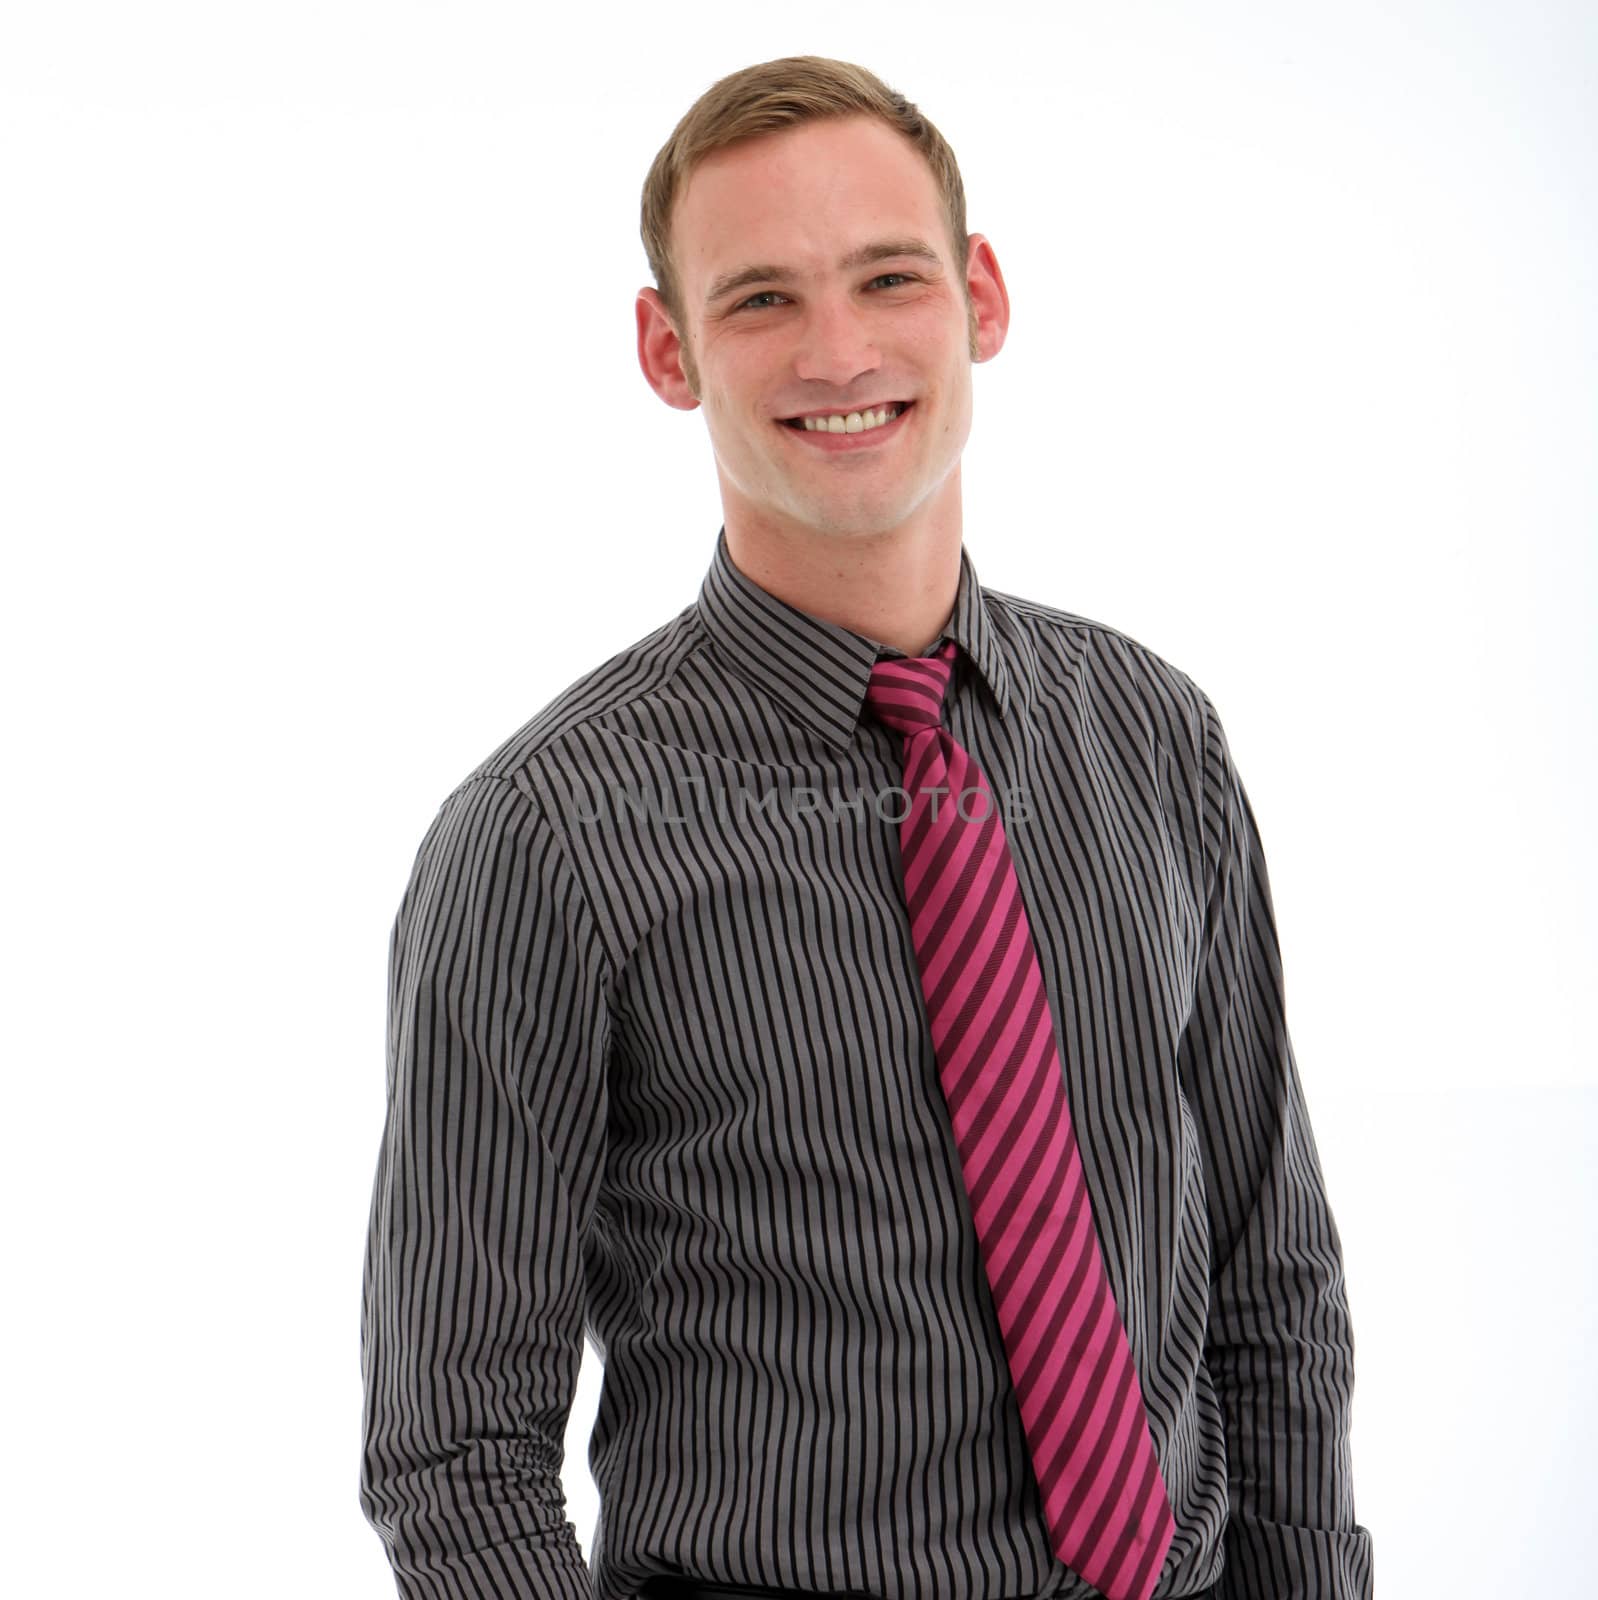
point(818, 671)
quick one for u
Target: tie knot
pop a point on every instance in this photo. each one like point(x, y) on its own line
point(906, 692)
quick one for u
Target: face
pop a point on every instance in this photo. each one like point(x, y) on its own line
point(820, 336)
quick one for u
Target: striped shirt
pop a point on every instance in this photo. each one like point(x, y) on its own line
point(659, 1076)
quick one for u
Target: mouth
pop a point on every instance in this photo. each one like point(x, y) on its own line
point(851, 430)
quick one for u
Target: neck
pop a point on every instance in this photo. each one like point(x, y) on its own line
point(897, 588)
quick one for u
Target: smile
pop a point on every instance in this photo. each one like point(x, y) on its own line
point(850, 430)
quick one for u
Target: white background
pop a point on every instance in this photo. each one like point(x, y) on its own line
point(326, 461)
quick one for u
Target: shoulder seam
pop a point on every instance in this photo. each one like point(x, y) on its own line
point(545, 813)
point(558, 832)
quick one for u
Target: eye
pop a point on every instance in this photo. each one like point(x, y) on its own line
point(766, 294)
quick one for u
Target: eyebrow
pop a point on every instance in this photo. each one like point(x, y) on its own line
point(880, 250)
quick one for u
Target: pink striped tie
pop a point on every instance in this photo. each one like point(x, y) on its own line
point(1081, 1403)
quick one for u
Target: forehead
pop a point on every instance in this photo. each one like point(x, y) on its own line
point(803, 196)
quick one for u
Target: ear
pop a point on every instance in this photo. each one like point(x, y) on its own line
point(661, 354)
point(990, 300)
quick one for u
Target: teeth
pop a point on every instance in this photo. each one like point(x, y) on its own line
point(854, 422)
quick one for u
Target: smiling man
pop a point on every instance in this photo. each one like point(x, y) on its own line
point(856, 1007)
point(828, 324)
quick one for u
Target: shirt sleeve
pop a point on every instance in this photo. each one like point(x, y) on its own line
point(1279, 1347)
point(492, 1150)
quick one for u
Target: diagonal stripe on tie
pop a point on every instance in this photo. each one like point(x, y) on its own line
point(1076, 1384)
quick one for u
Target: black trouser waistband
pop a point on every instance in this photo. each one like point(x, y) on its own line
point(666, 1586)
point(662, 1587)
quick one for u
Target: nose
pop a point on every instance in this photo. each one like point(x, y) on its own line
point(836, 345)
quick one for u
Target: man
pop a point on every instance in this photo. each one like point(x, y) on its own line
point(936, 1187)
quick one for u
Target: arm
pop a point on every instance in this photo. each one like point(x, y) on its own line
point(493, 1146)
point(1279, 1347)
